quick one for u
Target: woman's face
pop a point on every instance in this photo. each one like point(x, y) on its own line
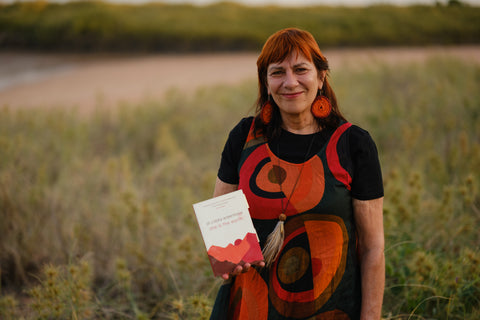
point(293, 84)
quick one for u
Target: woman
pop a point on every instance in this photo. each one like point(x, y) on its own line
point(314, 186)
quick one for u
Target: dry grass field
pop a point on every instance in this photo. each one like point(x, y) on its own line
point(102, 157)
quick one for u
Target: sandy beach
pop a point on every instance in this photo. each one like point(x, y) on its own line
point(99, 81)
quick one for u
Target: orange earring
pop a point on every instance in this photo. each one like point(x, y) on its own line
point(266, 113)
point(321, 107)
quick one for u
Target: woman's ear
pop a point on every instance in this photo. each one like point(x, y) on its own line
point(322, 75)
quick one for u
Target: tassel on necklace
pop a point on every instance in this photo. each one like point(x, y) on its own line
point(274, 243)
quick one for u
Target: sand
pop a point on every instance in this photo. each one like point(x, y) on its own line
point(104, 81)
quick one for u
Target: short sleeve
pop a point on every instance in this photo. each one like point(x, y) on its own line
point(364, 165)
point(232, 151)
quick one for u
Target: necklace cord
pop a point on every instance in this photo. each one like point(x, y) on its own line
point(299, 174)
point(275, 239)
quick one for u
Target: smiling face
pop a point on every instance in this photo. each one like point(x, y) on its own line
point(293, 84)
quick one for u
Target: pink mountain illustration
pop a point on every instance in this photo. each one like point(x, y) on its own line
point(224, 260)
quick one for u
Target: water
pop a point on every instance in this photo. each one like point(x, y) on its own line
point(18, 68)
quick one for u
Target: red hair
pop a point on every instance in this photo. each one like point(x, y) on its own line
point(277, 48)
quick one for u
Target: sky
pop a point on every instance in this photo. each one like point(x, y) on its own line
point(287, 2)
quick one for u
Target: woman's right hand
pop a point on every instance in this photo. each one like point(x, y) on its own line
point(241, 269)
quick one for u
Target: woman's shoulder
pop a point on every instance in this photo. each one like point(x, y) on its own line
point(358, 136)
point(245, 123)
point(241, 129)
point(356, 144)
point(363, 164)
point(232, 151)
point(355, 130)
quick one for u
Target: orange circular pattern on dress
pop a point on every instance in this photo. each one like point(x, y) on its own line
point(332, 315)
point(277, 175)
point(293, 264)
point(326, 249)
point(308, 190)
point(325, 265)
point(249, 297)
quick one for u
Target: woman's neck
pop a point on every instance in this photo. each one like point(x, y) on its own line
point(300, 125)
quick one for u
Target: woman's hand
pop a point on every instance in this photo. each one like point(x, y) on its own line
point(241, 269)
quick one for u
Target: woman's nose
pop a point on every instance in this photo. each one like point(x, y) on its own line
point(290, 79)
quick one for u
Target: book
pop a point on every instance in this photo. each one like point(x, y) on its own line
point(228, 232)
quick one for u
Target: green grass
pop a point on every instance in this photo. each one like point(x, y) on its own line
point(96, 26)
point(96, 211)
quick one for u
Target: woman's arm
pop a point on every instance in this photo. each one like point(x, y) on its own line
point(371, 244)
point(222, 188)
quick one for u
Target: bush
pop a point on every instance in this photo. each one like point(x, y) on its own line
point(97, 26)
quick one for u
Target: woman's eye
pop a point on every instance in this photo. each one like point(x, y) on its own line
point(276, 73)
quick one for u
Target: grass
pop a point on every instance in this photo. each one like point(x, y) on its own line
point(96, 211)
point(93, 26)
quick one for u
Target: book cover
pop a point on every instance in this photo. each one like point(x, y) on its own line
point(228, 232)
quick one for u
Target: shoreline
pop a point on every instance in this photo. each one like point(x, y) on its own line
point(88, 81)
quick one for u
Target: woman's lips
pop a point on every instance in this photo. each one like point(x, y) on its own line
point(291, 95)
